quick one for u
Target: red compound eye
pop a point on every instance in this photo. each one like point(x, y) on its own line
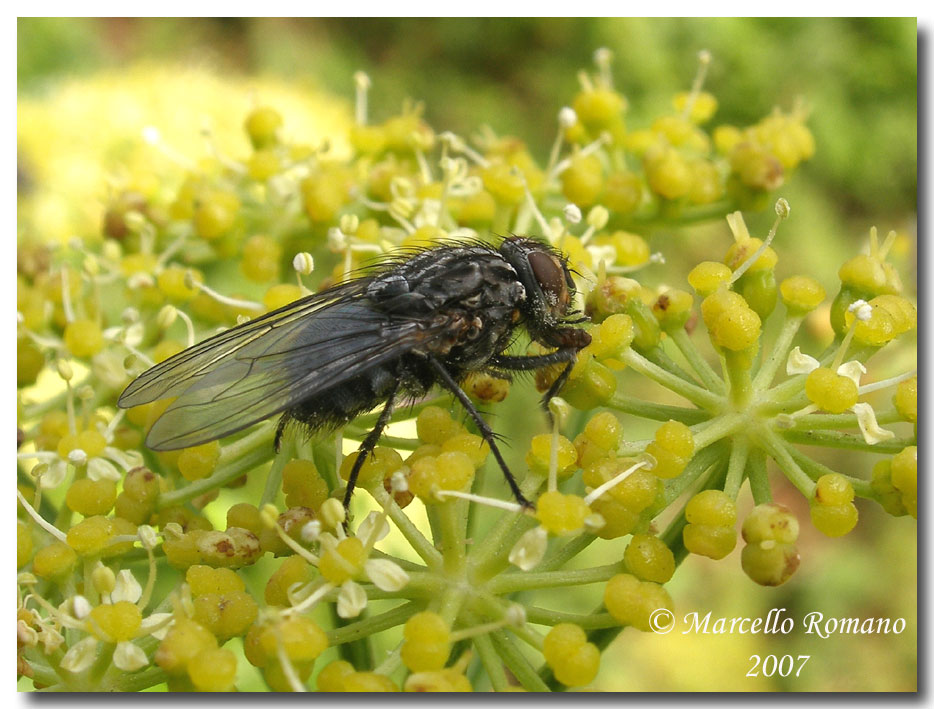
point(549, 274)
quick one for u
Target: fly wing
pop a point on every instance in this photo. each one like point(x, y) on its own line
point(270, 364)
point(178, 373)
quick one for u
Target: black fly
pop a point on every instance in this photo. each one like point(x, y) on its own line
point(414, 322)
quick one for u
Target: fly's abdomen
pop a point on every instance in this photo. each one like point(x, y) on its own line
point(343, 402)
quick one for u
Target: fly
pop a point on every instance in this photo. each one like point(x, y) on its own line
point(414, 322)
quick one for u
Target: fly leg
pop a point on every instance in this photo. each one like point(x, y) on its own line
point(369, 443)
point(448, 382)
point(565, 354)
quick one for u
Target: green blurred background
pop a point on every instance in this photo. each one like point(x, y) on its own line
point(860, 79)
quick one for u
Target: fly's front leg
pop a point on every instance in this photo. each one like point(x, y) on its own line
point(565, 354)
point(448, 382)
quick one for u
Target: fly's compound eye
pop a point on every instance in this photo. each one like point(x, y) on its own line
point(550, 274)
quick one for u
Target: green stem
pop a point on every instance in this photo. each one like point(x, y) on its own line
point(697, 361)
point(54, 403)
point(391, 663)
point(404, 563)
point(424, 548)
point(496, 540)
point(658, 356)
point(136, 681)
point(406, 444)
point(809, 422)
point(511, 583)
point(571, 548)
point(779, 352)
point(42, 673)
point(657, 412)
point(815, 469)
point(696, 467)
point(452, 601)
point(262, 437)
point(651, 218)
point(850, 441)
point(491, 663)
point(737, 466)
point(369, 626)
point(787, 389)
point(101, 664)
point(46, 509)
point(718, 428)
point(757, 472)
point(274, 476)
point(738, 376)
point(778, 449)
point(547, 616)
point(692, 392)
point(517, 662)
point(453, 526)
point(704, 433)
point(221, 476)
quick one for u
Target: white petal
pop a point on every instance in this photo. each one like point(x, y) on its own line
point(515, 615)
point(80, 608)
point(369, 524)
point(594, 522)
point(101, 469)
point(567, 117)
point(866, 418)
point(572, 213)
point(129, 657)
point(54, 475)
point(148, 536)
point(351, 600)
point(429, 214)
point(51, 639)
point(530, 549)
point(385, 574)
point(157, 625)
point(800, 363)
point(126, 588)
point(108, 367)
point(134, 334)
point(852, 369)
point(311, 531)
point(602, 252)
point(25, 634)
point(125, 459)
point(81, 655)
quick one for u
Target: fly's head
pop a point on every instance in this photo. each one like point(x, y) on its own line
point(549, 291)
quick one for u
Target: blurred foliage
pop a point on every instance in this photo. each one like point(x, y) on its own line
point(859, 75)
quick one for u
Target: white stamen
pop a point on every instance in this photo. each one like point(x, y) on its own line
point(613, 482)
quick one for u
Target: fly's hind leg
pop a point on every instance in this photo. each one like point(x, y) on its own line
point(280, 430)
point(448, 382)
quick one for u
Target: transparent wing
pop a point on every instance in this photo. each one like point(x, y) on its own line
point(178, 373)
point(268, 365)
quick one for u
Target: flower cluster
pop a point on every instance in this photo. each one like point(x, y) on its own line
point(139, 568)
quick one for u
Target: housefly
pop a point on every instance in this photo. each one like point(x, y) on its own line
point(414, 321)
